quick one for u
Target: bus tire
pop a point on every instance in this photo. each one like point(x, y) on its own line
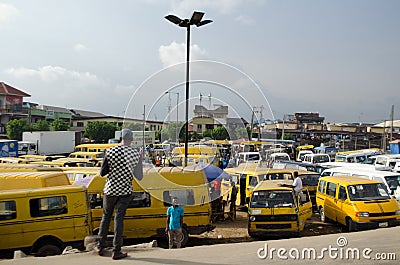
point(351, 226)
point(185, 237)
point(322, 215)
point(48, 250)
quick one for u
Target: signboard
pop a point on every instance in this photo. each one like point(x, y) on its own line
point(149, 137)
point(8, 148)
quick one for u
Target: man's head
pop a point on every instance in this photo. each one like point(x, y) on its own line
point(126, 135)
point(295, 174)
point(175, 201)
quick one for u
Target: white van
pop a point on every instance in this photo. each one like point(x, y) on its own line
point(248, 157)
point(386, 162)
point(27, 148)
point(302, 153)
point(390, 179)
point(316, 158)
point(279, 156)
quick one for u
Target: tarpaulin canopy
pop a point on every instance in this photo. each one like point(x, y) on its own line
point(212, 172)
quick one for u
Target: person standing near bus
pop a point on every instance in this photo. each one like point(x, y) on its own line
point(121, 163)
point(174, 224)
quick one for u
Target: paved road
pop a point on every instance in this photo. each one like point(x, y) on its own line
point(372, 244)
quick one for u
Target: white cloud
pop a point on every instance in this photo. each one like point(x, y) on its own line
point(246, 20)
point(124, 90)
point(7, 13)
point(58, 86)
point(176, 53)
point(80, 47)
point(51, 73)
point(186, 7)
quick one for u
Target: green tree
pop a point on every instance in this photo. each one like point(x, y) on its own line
point(170, 132)
point(241, 133)
point(248, 132)
point(16, 127)
point(60, 125)
point(220, 133)
point(41, 126)
point(194, 136)
point(158, 135)
point(207, 133)
point(287, 136)
point(134, 126)
point(100, 131)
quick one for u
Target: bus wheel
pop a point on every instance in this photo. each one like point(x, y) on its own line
point(351, 226)
point(48, 250)
point(322, 215)
point(185, 237)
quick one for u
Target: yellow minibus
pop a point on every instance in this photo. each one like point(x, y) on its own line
point(43, 221)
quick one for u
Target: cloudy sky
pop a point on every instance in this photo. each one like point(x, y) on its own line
point(339, 58)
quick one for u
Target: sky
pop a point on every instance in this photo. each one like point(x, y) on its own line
point(276, 57)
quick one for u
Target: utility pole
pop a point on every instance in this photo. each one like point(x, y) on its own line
point(283, 127)
point(252, 123)
point(391, 126)
point(144, 124)
point(384, 137)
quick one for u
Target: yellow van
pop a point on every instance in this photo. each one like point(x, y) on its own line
point(13, 160)
point(78, 173)
point(310, 180)
point(26, 168)
point(178, 160)
point(68, 162)
point(195, 153)
point(146, 214)
point(34, 158)
point(356, 202)
point(87, 155)
point(274, 209)
point(93, 147)
point(246, 178)
point(43, 221)
point(25, 180)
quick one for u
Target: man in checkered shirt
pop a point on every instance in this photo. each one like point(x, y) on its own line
point(121, 163)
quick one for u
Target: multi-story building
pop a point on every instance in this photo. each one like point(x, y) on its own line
point(11, 105)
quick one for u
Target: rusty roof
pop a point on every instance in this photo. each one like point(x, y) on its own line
point(9, 90)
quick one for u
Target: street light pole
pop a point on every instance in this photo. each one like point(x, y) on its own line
point(177, 120)
point(187, 94)
point(196, 19)
point(177, 113)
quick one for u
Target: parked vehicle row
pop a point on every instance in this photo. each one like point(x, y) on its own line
point(44, 220)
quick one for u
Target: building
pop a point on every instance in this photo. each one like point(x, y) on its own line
point(206, 119)
point(11, 105)
point(49, 113)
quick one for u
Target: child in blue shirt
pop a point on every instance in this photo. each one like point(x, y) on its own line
point(174, 224)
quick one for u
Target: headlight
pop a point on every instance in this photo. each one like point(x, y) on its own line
point(252, 218)
point(397, 212)
point(362, 214)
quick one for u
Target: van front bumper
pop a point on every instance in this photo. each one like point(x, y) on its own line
point(377, 224)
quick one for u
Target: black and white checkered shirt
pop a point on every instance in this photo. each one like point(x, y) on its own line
point(122, 161)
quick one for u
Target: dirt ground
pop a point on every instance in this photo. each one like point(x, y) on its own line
point(228, 231)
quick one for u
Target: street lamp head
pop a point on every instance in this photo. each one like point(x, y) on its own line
point(204, 22)
point(196, 17)
point(174, 19)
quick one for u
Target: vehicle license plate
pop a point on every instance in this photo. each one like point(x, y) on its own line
point(385, 224)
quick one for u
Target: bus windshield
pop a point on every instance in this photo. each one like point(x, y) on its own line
point(368, 192)
point(272, 199)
